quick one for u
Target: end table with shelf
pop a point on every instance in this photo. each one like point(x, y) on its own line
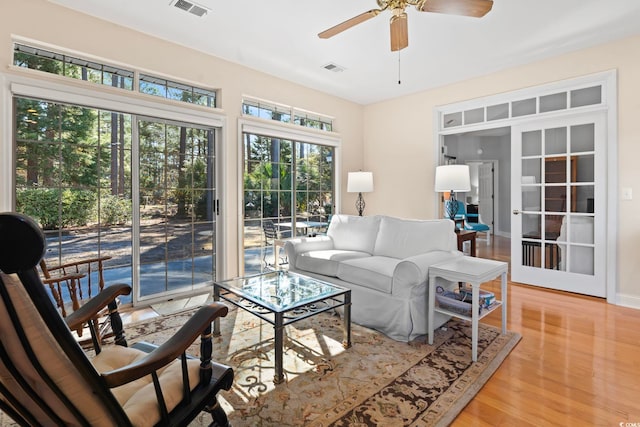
point(474, 271)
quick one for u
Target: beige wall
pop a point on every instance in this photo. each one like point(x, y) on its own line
point(45, 22)
point(402, 130)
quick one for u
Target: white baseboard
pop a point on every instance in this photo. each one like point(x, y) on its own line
point(630, 301)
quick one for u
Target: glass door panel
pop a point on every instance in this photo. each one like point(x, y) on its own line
point(557, 213)
point(177, 208)
point(73, 176)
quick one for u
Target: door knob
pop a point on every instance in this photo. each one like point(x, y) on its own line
point(516, 212)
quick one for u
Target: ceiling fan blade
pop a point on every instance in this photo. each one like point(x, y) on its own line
point(473, 8)
point(399, 32)
point(349, 23)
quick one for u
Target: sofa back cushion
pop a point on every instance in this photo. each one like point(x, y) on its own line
point(402, 238)
point(354, 233)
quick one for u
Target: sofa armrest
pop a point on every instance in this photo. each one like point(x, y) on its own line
point(299, 245)
point(413, 272)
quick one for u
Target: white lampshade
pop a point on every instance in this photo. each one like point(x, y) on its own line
point(453, 178)
point(360, 182)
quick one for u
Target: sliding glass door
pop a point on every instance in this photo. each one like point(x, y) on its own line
point(139, 191)
point(288, 188)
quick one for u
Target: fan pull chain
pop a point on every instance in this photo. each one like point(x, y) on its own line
point(399, 68)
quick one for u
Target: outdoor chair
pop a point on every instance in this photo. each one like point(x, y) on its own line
point(47, 379)
point(271, 234)
point(470, 221)
point(77, 280)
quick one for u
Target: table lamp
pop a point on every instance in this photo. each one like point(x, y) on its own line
point(360, 182)
point(452, 178)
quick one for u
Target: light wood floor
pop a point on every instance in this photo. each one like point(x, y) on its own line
point(578, 363)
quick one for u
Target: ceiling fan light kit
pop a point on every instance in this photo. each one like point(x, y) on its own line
point(398, 22)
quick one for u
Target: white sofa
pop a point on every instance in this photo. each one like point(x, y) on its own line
point(385, 262)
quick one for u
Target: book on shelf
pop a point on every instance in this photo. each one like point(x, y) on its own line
point(486, 298)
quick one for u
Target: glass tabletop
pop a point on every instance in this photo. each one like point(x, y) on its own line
point(281, 290)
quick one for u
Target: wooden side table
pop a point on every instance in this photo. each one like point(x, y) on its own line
point(464, 236)
point(474, 271)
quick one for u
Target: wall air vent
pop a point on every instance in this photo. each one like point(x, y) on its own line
point(333, 67)
point(191, 7)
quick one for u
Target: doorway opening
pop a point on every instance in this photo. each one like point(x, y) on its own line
point(488, 154)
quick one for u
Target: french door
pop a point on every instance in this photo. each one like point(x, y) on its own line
point(558, 195)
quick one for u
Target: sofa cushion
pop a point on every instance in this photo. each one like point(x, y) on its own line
point(374, 272)
point(403, 238)
point(354, 233)
point(325, 262)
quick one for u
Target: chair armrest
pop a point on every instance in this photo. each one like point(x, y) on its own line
point(91, 308)
point(170, 350)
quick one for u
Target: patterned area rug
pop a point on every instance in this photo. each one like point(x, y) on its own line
point(376, 382)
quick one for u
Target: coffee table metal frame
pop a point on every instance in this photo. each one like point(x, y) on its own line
point(257, 300)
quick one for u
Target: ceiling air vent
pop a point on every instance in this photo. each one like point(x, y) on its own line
point(191, 7)
point(333, 67)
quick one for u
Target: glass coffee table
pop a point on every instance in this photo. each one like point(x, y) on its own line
point(282, 298)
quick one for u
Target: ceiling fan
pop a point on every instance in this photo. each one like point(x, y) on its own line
point(398, 22)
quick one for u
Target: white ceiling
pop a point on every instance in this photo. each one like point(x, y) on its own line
point(279, 37)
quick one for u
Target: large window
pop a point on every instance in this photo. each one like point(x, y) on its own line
point(288, 185)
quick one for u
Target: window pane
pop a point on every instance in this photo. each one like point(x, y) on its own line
point(497, 112)
point(452, 119)
point(586, 96)
point(583, 168)
point(532, 143)
point(474, 116)
point(557, 101)
point(582, 138)
point(523, 108)
point(555, 141)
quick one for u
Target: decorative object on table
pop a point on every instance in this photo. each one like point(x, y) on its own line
point(469, 220)
point(360, 182)
point(452, 178)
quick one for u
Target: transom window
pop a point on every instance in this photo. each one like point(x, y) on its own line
point(283, 113)
point(96, 72)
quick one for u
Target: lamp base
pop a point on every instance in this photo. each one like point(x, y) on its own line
point(452, 206)
point(360, 204)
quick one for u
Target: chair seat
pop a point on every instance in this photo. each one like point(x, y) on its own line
point(138, 398)
point(476, 226)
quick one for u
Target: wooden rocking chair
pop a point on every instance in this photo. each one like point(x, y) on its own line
point(77, 277)
point(47, 379)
